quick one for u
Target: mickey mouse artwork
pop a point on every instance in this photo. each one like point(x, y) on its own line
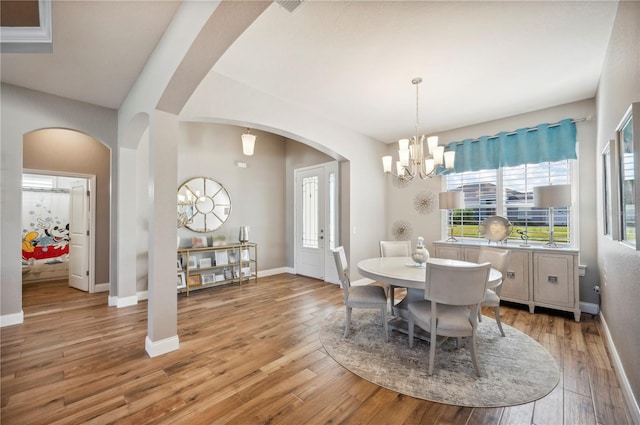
point(50, 241)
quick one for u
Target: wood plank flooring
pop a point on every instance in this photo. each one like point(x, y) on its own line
point(250, 354)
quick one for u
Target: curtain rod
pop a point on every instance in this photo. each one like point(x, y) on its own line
point(555, 124)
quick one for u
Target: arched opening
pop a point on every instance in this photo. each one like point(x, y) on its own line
point(64, 152)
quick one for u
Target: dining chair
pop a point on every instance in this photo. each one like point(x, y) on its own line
point(452, 298)
point(499, 258)
point(367, 296)
point(394, 249)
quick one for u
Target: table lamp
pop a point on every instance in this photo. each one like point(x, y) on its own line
point(551, 197)
point(451, 201)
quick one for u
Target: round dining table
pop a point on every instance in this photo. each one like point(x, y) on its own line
point(405, 273)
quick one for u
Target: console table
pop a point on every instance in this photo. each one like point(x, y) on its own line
point(200, 268)
point(536, 276)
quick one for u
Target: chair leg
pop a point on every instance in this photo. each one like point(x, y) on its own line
point(410, 325)
point(385, 325)
point(479, 315)
point(432, 345)
point(391, 298)
point(474, 358)
point(496, 311)
point(347, 322)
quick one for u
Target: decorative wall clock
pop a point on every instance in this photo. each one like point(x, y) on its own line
point(205, 203)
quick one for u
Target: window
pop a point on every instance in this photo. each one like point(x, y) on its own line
point(310, 225)
point(508, 192)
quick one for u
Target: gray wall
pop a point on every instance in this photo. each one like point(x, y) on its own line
point(261, 194)
point(24, 111)
point(620, 264)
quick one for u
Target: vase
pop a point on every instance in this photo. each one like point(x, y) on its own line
point(243, 236)
point(420, 254)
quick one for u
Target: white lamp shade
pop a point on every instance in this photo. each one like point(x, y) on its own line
point(438, 155)
point(451, 200)
point(248, 143)
point(432, 142)
point(386, 163)
point(558, 195)
point(449, 159)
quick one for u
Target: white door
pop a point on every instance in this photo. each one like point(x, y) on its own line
point(316, 221)
point(79, 236)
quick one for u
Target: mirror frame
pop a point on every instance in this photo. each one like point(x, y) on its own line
point(204, 204)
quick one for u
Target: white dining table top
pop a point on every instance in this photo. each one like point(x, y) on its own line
point(402, 271)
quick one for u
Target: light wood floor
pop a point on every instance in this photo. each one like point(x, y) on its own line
point(251, 355)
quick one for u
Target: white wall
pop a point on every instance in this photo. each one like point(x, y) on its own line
point(619, 263)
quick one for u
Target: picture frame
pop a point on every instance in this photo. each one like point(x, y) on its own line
point(228, 274)
point(193, 263)
point(222, 257)
point(194, 280)
point(245, 254)
point(628, 143)
point(208, 278)
point(179, 264)
point(199, 242)
point(204, 262)
point(181, 281)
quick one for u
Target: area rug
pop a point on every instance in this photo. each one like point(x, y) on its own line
point(515, 369)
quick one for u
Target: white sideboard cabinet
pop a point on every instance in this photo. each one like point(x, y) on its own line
point(536, 276)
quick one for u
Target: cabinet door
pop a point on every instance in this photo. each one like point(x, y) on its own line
point(471, 254)
point(553, 279)
point(448, 251)
point(515, 285)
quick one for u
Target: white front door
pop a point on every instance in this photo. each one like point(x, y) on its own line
point(79, 235)
point(316, 221)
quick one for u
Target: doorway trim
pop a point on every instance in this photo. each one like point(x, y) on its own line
point(91, 180)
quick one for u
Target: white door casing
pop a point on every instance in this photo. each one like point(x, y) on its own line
point(316, 227)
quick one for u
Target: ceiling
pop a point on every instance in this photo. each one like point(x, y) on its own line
point(351, 62)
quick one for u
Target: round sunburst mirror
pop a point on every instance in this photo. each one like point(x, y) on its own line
point(204, 204)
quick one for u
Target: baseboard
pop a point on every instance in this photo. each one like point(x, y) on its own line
point(142, 295)
point(632, 403)
point(11, 319)
point(161, 347)
point(589, 308)
point(124, 301)
point(271, 272)
point(101, 287)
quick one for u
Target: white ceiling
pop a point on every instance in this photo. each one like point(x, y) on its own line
point(351, 61)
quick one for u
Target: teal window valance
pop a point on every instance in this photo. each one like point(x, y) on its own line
point(545, 142)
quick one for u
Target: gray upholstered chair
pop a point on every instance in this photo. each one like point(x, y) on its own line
point(368, 296)
point(394, 249)
point(452, 298)
point(499, 258)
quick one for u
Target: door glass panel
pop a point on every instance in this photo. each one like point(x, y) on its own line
point(332, 210)
point(310, 212)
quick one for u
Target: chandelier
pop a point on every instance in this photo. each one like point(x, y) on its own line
point(413, 161)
